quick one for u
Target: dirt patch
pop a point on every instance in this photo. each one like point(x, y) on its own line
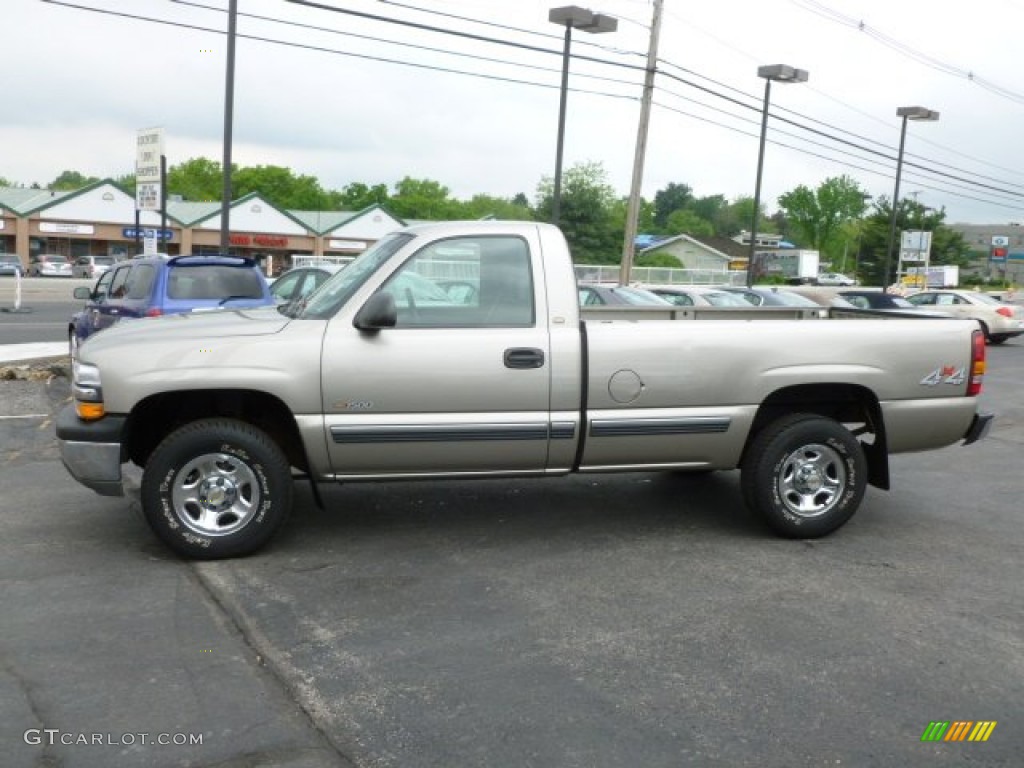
point(42, 370)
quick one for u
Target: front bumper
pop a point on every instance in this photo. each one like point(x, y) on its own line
point(979, 428)
point(91, 450)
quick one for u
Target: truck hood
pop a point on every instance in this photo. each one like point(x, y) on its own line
point(222, 323)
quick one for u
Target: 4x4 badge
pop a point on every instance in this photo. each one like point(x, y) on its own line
point(947, 374)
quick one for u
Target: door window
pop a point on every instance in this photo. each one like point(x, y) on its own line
point(465, 282)
point(118, 286)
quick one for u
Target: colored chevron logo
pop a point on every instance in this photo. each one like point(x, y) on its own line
point(959, 730)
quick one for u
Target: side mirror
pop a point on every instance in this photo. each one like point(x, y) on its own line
point(378, 312)
point(83, 293)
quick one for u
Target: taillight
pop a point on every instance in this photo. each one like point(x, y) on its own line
point(1005, 312)
point(977, 364)
point(154, 312)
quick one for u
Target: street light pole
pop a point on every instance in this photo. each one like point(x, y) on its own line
point(571, 17)
point(907, 113)
point(779, 73)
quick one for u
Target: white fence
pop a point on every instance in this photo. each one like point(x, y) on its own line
point(609, 273)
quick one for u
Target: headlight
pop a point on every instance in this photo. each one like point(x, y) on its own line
point(87, 392)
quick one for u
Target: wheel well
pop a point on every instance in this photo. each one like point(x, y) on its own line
point(157, 416)
point(850, 404)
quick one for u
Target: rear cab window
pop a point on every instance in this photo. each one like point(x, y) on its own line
point(213, 282)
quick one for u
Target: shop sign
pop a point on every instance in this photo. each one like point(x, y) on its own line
point(130, 233)
point(267, 241)
point(347, 245)
point(63, 228)
point(149, 148)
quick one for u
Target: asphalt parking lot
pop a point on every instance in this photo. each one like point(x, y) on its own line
point(590, 621)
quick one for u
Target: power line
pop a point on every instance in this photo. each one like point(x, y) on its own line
point(951, 178)
point(398, 43)
point(902, 48)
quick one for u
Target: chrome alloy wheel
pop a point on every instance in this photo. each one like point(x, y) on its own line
point(215, 494)
point(811, 480)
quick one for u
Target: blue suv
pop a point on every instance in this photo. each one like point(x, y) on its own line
point(157, 285)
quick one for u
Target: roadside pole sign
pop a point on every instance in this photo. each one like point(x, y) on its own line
point(149, 147)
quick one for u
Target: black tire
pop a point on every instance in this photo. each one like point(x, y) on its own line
point(805, 475)
point(216, 488)
point(996, 339)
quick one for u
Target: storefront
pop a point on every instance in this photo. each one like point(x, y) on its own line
point(100, 219)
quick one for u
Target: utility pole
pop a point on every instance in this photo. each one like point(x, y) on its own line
point(633, 210)
point(229, 113)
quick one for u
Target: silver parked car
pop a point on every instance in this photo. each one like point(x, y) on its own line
point(48, 265)
point(10, 264)
point(698, 296)
point(91, 267)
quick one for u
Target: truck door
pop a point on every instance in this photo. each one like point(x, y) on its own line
point(461, 384)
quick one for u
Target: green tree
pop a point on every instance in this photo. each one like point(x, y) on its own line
point(816, 217)
point(948, 246)
point(737, 216)
point(356, 196)
point(687, 222)
point(198, 179)
point(481, 206)
point(71, 180)
point(591, 217)
point(280, 186)
point(674, 197)
point(126, 182)
point(423, 199)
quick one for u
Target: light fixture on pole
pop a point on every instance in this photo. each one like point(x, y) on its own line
point(779, 73)
point(907, 113)
point(571, 17)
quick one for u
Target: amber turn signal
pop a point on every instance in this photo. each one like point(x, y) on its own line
point(89, 411)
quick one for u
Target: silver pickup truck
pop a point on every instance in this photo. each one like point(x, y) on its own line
point(459, 350)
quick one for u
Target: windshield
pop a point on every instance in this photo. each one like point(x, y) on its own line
point(723, 299)
point(640, 297)
point(792, 299)
point(330, 296)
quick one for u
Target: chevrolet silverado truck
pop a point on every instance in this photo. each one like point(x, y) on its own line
point(459, 350)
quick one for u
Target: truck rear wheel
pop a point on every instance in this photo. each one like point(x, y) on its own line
point(805, 475)
point(216, 488)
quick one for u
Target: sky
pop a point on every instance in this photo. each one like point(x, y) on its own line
point(348, 98)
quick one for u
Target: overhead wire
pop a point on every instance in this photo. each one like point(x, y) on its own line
point(949, 178)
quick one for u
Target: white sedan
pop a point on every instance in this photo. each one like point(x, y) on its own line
point(834, 278)
point(999, 321)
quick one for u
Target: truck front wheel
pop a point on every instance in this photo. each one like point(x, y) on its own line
point(216, 488)
point(805, 475)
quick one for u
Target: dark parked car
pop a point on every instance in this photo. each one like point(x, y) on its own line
point(157, 285)
point(886, 302)
point(597, 295)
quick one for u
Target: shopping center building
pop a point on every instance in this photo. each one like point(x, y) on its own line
point(100, 219)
